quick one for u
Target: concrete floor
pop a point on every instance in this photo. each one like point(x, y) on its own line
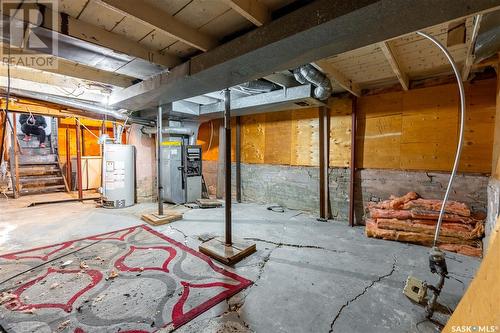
point(309, 276)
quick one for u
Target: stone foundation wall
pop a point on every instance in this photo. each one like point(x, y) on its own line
point(297, 187)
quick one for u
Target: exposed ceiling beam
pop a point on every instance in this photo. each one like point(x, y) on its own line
point(69, 26)
point(391, 57)
point(49, 89)
point(318, 30)
point(335, 75)
point(90, 33)
point(80, 71)
point(159, 19)
point(282, 80)
point(253, 10)
point(469, 58)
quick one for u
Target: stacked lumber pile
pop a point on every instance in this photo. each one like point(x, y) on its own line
point(412, 219)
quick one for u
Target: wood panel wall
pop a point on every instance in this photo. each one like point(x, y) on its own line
point(412, 130)
point(90, 147)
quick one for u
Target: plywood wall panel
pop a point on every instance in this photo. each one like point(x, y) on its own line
point(253, 138)
point(412, 130)
point(305, 137)
point(208, 138)
point(378, 141)
point(340, 131)
point(278, 138)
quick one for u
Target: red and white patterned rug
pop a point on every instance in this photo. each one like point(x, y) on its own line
point(130, 280)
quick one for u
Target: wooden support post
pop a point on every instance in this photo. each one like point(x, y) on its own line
point(68, 159)
point(352, 165)
point(78, 159)
point(324, 156)
point(238, 159)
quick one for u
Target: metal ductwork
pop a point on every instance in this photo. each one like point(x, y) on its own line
point(309, 74)
point(258, 86)
point(180, 131)
point(91, 108)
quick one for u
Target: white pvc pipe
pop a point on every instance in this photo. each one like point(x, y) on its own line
point(460, 136)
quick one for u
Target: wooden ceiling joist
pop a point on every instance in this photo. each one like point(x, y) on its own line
point(80, 71)
point(469, 58)
point(161, 20)
point(335, 75)
point(95, 35)
point(391, 57)
point(253, 10)
point(67, 25)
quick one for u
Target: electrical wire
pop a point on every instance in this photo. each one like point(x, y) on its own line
point(460, 136)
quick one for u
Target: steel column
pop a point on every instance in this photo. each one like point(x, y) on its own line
point(353, 163)
point(79, 158)
point(227, 163)
point(324, 155)
point(220, 162)
point(16, 147)
point(238, 159)
point(159, 137)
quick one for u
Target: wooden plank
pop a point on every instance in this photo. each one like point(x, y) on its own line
point(253, 10)
point(391, 56)
point(158, 19)
point(469, 56)
point(278, 137)
point(378, 142)
point(228, 254)
point(336, 75)
point(340, 131)
point(253, 139)
point(208, 138)
point(95, 35)
point(305, 137)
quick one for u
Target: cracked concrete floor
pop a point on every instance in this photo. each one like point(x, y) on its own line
point(309, 276)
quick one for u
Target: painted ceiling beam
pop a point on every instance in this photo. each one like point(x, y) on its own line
point(318, 30)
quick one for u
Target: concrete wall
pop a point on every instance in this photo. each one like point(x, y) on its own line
point(297, 187)
point(145, 163)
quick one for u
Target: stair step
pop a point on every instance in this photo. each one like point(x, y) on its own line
point(37, 159)
point(38, 170)
point(35, 151)
point(40, 179)
point(43, 189)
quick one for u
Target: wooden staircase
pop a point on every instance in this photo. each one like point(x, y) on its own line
point(39, 170)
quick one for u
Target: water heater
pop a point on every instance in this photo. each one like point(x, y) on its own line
point(118, 175)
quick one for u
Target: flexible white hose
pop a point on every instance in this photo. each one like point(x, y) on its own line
point(460, 136)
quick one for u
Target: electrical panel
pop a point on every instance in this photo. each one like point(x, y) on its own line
point(192, 161)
